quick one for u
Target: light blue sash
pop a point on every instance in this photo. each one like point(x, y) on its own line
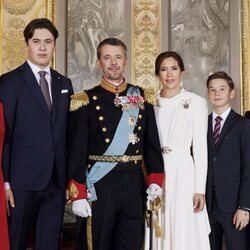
point(118, 146)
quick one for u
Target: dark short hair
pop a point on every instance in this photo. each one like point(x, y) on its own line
point(221, 75)
point(164, 55)
point(39, 23)
point(111, 41)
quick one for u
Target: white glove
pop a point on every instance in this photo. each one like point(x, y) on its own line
point(153, 191)
point(81, 208)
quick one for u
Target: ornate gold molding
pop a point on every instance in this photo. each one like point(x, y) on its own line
point(245, 53)
point(146, 27)
point(15, 15)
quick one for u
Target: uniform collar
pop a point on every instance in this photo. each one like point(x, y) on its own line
point(113, 88)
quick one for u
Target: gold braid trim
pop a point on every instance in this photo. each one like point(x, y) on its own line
point(78, 100)
point(149, 96)
point(152, 216)
point(89, 233)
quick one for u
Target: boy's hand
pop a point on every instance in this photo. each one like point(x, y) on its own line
point(241, 219)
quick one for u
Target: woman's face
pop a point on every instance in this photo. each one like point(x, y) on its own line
point(170, 74)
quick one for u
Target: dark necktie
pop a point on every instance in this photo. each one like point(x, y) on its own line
point(45, 88)
point(217, 127)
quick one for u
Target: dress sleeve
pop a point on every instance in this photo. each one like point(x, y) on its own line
point(200, 123)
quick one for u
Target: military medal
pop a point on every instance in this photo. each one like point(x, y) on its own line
point(117, 100)
point(133, 138)
point(132, 120)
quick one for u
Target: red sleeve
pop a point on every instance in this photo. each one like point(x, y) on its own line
point(77, 191)
point(156, 178)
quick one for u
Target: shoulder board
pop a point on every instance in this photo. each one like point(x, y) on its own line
point(149, 96)
point(78, 100)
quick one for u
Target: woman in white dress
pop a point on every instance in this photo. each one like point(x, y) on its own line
point(182, 124)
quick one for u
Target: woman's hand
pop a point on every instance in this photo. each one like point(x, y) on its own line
point(198, 202)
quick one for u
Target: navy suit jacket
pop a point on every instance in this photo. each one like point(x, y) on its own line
point(229, 164)
point(35, 139)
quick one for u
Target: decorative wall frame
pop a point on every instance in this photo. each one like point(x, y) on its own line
point(14, 16)
point(245, 55)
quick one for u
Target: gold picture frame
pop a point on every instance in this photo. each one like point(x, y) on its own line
point(14, 16)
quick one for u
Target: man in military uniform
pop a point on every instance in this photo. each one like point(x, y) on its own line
point(112, 128)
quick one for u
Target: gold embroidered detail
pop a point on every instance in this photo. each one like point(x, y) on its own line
point(78, 100)
point(150, 97)
point(115, 158)
point(89, 233)
point(152, 216)
point(73, 191)
point(113, 88)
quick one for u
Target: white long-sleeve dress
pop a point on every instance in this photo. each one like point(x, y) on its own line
point(182, 126)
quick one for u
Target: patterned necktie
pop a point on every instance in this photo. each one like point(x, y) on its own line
point(217, 126)
point(45, 88)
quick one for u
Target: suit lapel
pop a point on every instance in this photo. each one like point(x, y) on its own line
point(226, 127)
point(56, 93)
point(210, 131)
point(31, 81)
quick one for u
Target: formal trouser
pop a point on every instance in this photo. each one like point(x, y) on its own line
point(222, 224)
point(118, 214)
point(41, 210)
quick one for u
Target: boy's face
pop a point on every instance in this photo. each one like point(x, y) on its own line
point(219, 93)
point(41, 47)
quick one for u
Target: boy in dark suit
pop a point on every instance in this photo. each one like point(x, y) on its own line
point(228, 179)
point(36, 104)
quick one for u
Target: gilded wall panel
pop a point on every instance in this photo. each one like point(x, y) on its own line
point(15, 15)
point(145, 41)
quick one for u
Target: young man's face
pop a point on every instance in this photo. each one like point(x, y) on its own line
point(112, 62)
point(219, 93)
point(41, 47)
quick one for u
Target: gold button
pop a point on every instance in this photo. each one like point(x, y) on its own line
point(140, 116)
point(139, 128)
point(97, 107)
point(100, 118)
point(107, 140)
point(104, 129)
point(94, 97)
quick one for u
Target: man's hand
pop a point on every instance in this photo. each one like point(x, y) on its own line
point(153, 191)
point(241, 219)
point(198, 202)
point(10, 201)
point(81, 208)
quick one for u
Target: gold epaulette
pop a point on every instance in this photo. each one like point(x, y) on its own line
point(149, 96)
point(78, 100)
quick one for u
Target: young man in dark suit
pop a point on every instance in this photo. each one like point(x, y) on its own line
point(228, 179)
point(36, 104)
